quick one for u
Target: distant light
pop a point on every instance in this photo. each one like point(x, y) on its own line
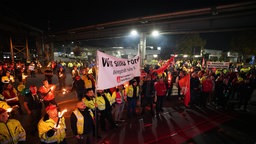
point(185, 56)
point(151, 47)
point(134, 33)
point(118, 47)
point(158, 48)
point(155, 56)
point(175, 55)
point(155, 33)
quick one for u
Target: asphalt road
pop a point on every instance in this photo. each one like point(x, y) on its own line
point(176, 125)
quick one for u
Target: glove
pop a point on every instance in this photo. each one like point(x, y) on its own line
point(50, 133)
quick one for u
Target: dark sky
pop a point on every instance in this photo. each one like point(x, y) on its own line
point(59, 15)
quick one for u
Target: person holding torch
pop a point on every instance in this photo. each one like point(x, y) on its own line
point(11, 129)
point(47, 93)
point(52, 126)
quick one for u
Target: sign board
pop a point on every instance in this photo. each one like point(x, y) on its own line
point(221, 65)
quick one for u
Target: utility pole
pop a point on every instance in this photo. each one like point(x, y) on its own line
point(142, 48)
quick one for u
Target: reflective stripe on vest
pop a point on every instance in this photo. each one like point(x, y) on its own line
point(80, 121)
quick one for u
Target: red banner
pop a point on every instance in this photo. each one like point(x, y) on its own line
point(203, 63)
point(164, 66)
point(184, 84)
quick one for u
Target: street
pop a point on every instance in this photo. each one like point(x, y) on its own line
point(175, 125)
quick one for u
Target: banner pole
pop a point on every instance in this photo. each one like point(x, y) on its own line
point(95, 94)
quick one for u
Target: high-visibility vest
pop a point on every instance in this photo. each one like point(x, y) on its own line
point(130, 90)
point(118, 96)
point(4, 105)
point(110, 98)
point(101, 103)
point(87, 81)
point(45, 126)
point(12, 132)
point(6, 79)
point(89, 103)
point(80, 120)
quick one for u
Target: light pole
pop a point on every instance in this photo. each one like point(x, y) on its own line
point(142, 44)
point(142, 47)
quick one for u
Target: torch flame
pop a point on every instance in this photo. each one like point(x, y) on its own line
point(64, 91)
point(62, 112)
point(9, 110)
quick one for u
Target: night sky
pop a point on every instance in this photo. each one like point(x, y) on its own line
point(59, 15)
point(56, 15)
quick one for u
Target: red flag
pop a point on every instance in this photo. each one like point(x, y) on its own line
point(184, 84)
point(164, 66)
point(203, 63)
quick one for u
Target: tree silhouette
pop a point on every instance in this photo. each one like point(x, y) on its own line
point(244, 43)
point(186, 43)
point(77, 51)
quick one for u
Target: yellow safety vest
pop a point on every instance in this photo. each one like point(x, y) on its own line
point(101, 103)
point(4, 105)
point(87, 82)
point(6, 79)
point(130, 91)
point(45, 126)
point(118, 96)
point(89, 103)
point(80, 120)
point(12, 132)
point(110, 98)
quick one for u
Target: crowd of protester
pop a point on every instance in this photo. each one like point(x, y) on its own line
point(99, 110)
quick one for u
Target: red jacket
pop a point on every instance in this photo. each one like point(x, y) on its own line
point(160, 88)
point(207, 85)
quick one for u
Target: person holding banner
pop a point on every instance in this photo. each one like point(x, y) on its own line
point(90, 102)
point(105, 109)
point(133, 91)
point(120, 100)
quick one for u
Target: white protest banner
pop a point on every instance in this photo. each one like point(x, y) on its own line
point(219, 65)
point(113, 71)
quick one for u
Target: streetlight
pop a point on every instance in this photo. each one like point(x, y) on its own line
point(142, 43)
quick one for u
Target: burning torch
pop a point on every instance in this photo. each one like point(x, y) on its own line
point(64, 91)
point(60, 114)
